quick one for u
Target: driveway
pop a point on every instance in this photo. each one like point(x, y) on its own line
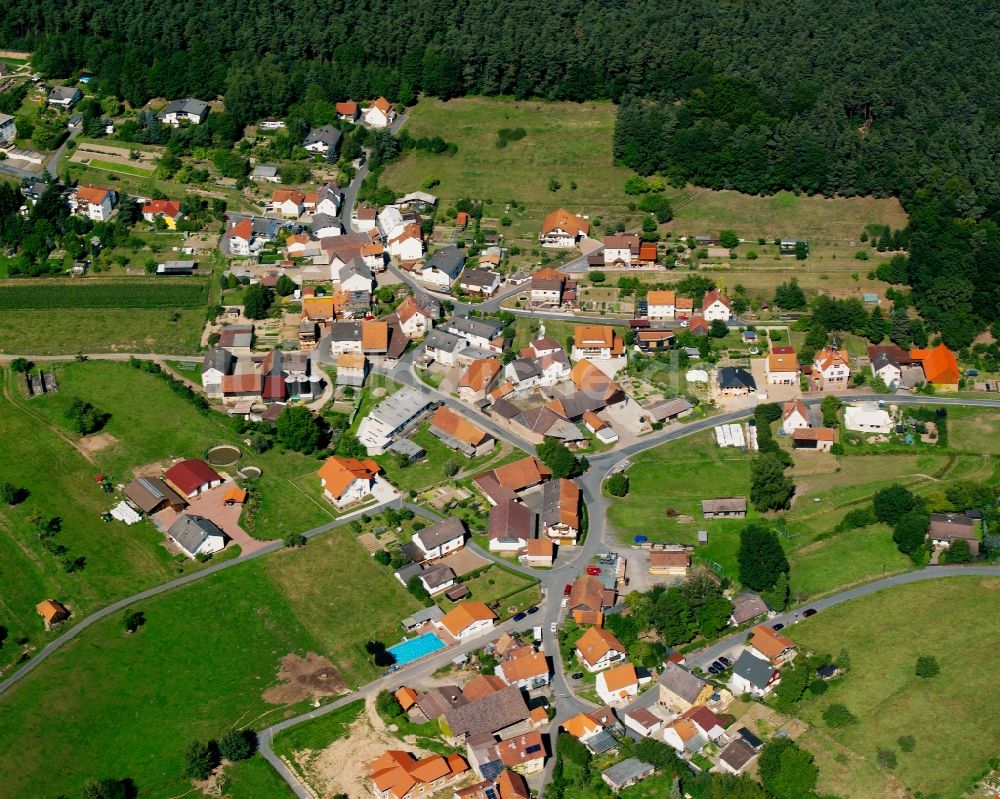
point(212, 506)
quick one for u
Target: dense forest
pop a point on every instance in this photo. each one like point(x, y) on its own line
point(884, 98)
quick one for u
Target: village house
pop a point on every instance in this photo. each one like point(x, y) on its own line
point(400, 775)
point(735, 758)
point(322, 140)
point(621, 251)
point(642, 721)
point(715, 306)
point(707, 723)
point(53, 613)
point(601, 429)
point(414, 320)
point(598, 649)
point(684, 309)
point(64, 97)
point(680, 690)
point(887, 363)
point(794, 416)
point(867, 418)
point(820, 439)
point(440, 539)
point(486, 334)
point(407, 244)
point(684, 736)
point(538, 552)
point(675, 562)
point(196, 536)
point(94, 202)
point(477, 380)
point(265, 173)
point(774, 646)
point(753, 675)
point(947, 528)
point(596, 342)
point(940, 367)
point(782, 367)
point(387, 419)
point(502, 713)
point(547, 287)
point(747, 606)
point(589, 598)
point(287, 202)
point(347, 480)
point(560, 516)
point(379, 114)
point(437, 579)
point(443, 267)
point(188, 110)
point(661, 305)
point(458, 433)
point(241, 239)
point(511, 479)
point(619, 684)
point(831, 370)
point(167, 210)
point(467, 620)
point(190, 478)
point(479, 281)
point(328, 200)
point(563, 229)
point(528, 670)
point(523, 754)
point(512, 525)
point(352, 369)
point(734, 381)
point(216, 364)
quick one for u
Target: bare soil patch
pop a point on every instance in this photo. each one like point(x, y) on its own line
point(96, 442)
point(303, 678)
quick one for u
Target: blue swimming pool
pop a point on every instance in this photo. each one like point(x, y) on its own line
point(416, 648)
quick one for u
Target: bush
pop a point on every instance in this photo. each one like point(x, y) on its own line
point(618, 484)
point(886, 758)
point(818, 687)
point(200, 759)
point(838, 715)
point(927, 666)
point(238, 744)
point(13, 495)
point(907, 743)
point(133, 620)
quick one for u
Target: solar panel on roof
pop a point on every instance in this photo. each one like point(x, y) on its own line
point(533, 748)
point(152, 489)
point(491, 770)
point(601, 742)
point(490, 793)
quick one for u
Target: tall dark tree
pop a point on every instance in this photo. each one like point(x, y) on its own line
point(760, 557)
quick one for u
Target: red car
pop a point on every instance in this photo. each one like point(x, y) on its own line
point(593, 571)
point(567, 590)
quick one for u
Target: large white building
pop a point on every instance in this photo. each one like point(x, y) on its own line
point(387, 419)
point(8, 130)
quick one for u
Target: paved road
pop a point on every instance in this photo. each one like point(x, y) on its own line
point(106, 356)
point(52, 167)
point(351, 192)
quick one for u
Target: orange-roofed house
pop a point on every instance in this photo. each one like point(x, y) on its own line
point(399, 775)
point(467, 620)
point(524, 754)
point(715, 305)
point(538, 552)
point(831, 370)
point(782, 369)
point(290, 203)
point(347, 480)
point(684, 308)
point(771, 644)
point(528, 672)
point(379, 114)
point(374, 337)
point(820, 439)
point(348, 111)
point(407, 244)
point(596, 342)
point(563, 229)
point(683, 734)
point(512, 478)
point(414, 320)
point(52, 612)
point(511, 785)
point(477, 380)
point(296, 246)
point(647, 254)
point(93, 202)
point(582, 726)
point(619, 684)
point(794, 416)
point(940, 367)
point(459, 433)
point(406, 697)
point(661, 305)
point(597, 649)
point(235, 496)
point(239, 239)
point(560, 515)
point(167, 210)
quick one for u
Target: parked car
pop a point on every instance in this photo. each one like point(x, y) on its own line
point(567, 589)
point(532, 609)
point(713, 669)
point(725, 661)
point(553, 627)
point(520, 617)
point(593, 571)
point(778, 626)
point(809, 612)
point(576, 675)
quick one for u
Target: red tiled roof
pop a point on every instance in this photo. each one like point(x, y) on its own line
point(190, 475)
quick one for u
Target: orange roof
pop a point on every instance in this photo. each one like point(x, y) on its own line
point(465, 614)
point(539, 547)
point(661, 298)
point(243, 229)
point(521, 474)
point(569, 503)
point(659, 558)
point(351, 360)
point(348, 108)
point(481, 686)
point(595, 643)
point(511, 785)
point(374, 335)
point(283, 195)
point(170, 208)
point(336, 474)
point(539, 716)
point(594, 617)
point(769, 642)
point(647, 252)
point(792, 406)
point(406, 697)
point(462, 218)
point(619, 677)
point(581, 726)
point(561, 219)
point(242, 384)
point(302, 238)
point(593, 336)
point(548, 273)
point(397, 772)
point(714, 296)
point(235, 494)
point(382, 105)
point(814, 434)
point(940, 365)
point(50, 609)
point(521, 749)
point(458, 427)
point(525, 667)
point(685, 304)
point(91, 194)
point(685, 729)
point(408, 308)
point(782, 362)
point(318, 308)
point(828, 357)
point(593, 421)
point(410, 231)
point(502, 390)
point(480, 374)
point(310, 197)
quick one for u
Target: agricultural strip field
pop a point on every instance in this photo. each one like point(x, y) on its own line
point(128, 169)
point(884, 634)
point(128, 705)
point(135, 293)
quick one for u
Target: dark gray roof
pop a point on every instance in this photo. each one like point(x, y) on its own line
point(441, 532)
point(188, 105)
point(441, 340)
point(356, 266)
point(190, 532)
point(345, 331)
point(406, 447)
point(735, 377)
point(448, 260)
point(754, 670)
point(328, 135)
point(220, 359)
point(750, 738)
point(881, 359)
point(506, 409)
point(489, 714)
point(737, 754)
point(601, 741)
point(682, 682)
point(321, 221)
point(748, 605)
point(408, 572)
point(462, 326)
point(63, 93)
point(627, 771)
point(433, 613)
point(438, 575)
point(525, 368)
point(479, 277)
point(149, 493)
point(328, 191)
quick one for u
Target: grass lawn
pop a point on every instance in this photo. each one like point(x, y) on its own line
point(884, 634)
point(111, 166)
point(318, 733)
point(431, 469)
point(255, 779)
point(191, 673)
point(68, 331)
point(568, 142)
point(492, 584)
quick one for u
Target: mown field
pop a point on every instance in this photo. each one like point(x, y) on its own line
point(135, 293)
point(955, 724)
point(127, 705)
point(675, 478)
